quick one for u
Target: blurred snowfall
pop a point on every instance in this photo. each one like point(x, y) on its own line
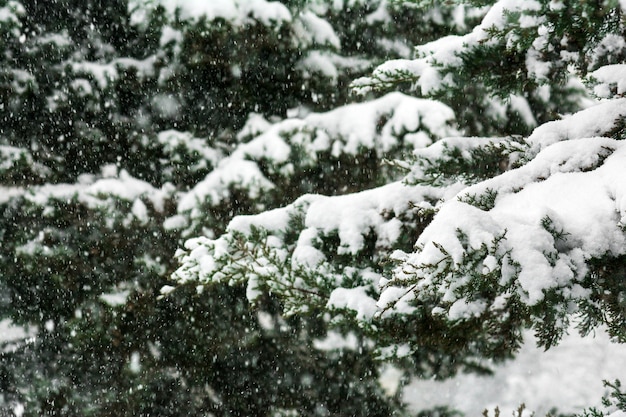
point(567, 377)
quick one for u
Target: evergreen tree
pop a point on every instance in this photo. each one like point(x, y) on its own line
point(129, 129)
point(116, 118)
point(484, 237)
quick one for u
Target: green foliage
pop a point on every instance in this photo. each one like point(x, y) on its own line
point(484, 321)
point(61, 267)
point(441, 411)
point(616, 400)
point(485, 201)
point(236, 69)
point(469, 163)
point(606, 303)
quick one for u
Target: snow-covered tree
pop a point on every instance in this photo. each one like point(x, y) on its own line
point(485, 236)
point(120, 123)
point(129, 129)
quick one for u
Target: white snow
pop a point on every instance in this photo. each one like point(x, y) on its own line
point(104, 73)
point(82, 87)
point(355, 299)
point(7, 193)
point(334, 340)
point(175, 222)
point(237, 12)
point(11, 12)
point(319, 62)
point(140, 211)
point(608, 76)
point(169, 34)
point(166, 105)
point(567, 377)
point(174, 140)
point(255, 126)
point(134, 364)
point(612, 46)
point(215, 187)
point(312, 29)
point(520, 105)
point(11, 156)
point(98, 193)
point(586, 205)
point(60, 40)
point(18, 410)
point(115, 299)
point(10, 332)
point(594, 121)
point(22, 80)
point(354, 215)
